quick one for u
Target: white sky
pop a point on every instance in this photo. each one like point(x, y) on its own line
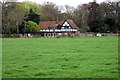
point(64, 2)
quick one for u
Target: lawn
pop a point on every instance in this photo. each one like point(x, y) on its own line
point(83, 57)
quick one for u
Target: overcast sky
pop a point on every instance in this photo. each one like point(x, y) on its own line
point(64, 2)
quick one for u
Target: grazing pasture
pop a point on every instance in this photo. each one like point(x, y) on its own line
point(79, 57)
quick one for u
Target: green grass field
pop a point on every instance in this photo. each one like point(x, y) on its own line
point(83, 57)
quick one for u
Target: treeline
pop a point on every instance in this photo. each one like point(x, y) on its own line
point(24, 17)
point(20, 17)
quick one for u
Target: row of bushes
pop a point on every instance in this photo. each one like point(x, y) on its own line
point(10, 35)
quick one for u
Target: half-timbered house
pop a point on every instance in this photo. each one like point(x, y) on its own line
point(58, 28)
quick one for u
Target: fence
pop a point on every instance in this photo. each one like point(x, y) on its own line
point(38, 35)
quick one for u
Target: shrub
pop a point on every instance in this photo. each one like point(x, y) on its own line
point(31, 27)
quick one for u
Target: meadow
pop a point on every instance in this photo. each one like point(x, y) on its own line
point(79, 57)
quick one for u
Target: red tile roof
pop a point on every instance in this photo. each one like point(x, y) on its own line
point(46, 24)
point(73, 25)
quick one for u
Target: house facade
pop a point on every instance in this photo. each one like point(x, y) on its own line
point(58, 28)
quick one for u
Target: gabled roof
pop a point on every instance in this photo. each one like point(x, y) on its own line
point(47, 24)
point(73, 25)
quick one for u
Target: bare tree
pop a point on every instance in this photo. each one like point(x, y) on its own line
point(81, 17)
point(7, 6)
point(49, 12)
point(16, 16)
point(13, 14)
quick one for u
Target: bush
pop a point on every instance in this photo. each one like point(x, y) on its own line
point(6, 35)
point(10, 35)
point(31, 27)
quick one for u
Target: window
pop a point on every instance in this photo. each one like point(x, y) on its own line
point(66, 24)
point(63, 27)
